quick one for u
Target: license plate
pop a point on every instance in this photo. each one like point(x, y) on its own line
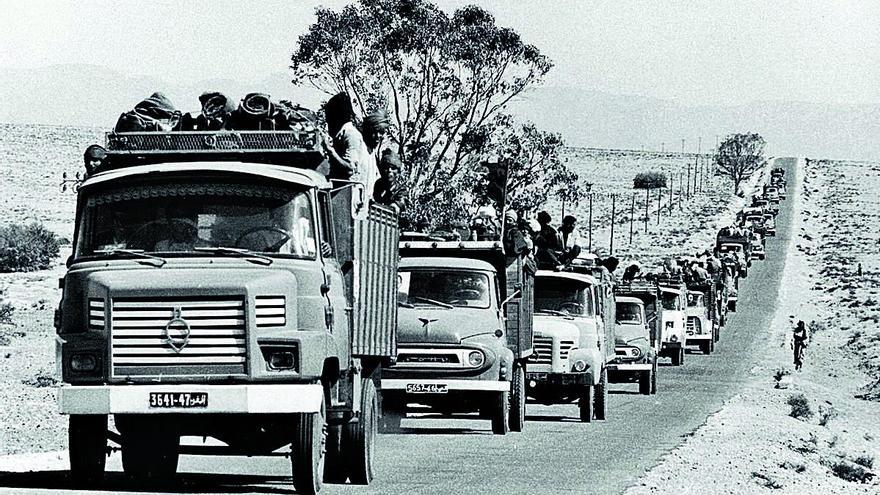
point(178, 399)
point(427, 388)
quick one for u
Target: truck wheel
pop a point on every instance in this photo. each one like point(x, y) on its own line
point(585, 404)
point(600, 396)
point(501, 417)
point(307, 450)
point(705, 346)
point(645, 379)
point(518, 399)
point(654, 377)
point(678, 357)
point(359, 438)
point(87, 445)
point(712, 343)
point(334, 464)
point(149, 454)
point(393, 411)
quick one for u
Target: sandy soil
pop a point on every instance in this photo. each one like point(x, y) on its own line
point(754, 445)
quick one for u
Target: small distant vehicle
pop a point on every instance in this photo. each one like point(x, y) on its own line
point(769, 224)
point(636, 348)
point(758, 251)
point(772, 193)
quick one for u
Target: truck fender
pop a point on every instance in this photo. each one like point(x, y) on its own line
point(595, 360)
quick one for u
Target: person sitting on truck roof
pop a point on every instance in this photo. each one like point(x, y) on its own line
point(548, 245)
point(570, 248)
point(348, 153)
point(389, 190)
point(515, 243)
point(632, 272)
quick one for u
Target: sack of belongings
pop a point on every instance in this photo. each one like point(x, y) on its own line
point(154, 114)
point(290, 117)
point(254, 113)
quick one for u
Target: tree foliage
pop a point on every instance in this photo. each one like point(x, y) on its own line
point(739, 156)
point(649, 180)
point(445, 80)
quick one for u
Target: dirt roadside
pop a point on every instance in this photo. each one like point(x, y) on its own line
point(753, 444)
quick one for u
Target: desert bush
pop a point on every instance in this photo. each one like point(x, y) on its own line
point(865, 460)
point(800, 406)
point(826, 414)
point(780, 373)
point(42, 379)
point(849, 471)
point(649, 180)
point(6, 310)
point(766, 480)
point(27, 247)
point(797, 467)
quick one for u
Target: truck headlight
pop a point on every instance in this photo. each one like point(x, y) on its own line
point(579, 365)
point(674, 338)
point(635, 352)
point(476, 359)
point(83, 362)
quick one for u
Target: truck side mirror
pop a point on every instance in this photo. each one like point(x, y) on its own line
point(516, 295)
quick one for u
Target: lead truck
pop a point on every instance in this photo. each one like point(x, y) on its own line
point(465, 331)
point(220, 287)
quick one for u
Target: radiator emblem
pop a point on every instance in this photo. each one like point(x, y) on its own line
point(177, 331)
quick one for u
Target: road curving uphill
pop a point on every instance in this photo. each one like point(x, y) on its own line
point(556, 452)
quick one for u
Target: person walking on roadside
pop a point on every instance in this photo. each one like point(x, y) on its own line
point(799, 338)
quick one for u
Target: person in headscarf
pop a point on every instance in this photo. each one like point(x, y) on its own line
point(389, 189)
point(799, 338)
point(515, 243)
point(632, 272)
point(94, 157)
point(374, 128)
point(348, 154)
point(547, 243)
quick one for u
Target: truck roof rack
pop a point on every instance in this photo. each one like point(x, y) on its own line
point(296, 148)
point(636, 286)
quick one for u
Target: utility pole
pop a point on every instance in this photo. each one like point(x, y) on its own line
point(659, 199)
point(590, 225)
point(611, 246)
point(671, 191)
point(663, 147)
point(632, 214)
point(682, 147)
point(647, 201)
point(687, 190)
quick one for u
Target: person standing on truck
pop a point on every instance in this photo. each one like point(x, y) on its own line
point(375, 128)
point(348, 153)
point(515, 243)
point(389, 189)
point(799, 338)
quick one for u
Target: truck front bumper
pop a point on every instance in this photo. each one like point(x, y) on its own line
point(557, 379)
point(221, 399)
point(626, 367)
point(400, 384)
point(693, 339)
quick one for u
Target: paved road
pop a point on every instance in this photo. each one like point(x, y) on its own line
point(554, 454)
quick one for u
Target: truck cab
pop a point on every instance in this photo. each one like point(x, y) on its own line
point(574, 339)
point(757, 241)
point(672, 321)
point(700, 327)
point(464, 332)
point(636, 347)
point(769, 224)
point(772, 193)
point(223, 294)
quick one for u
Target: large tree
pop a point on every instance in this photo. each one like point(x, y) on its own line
point(739, 156)
point(445, 79)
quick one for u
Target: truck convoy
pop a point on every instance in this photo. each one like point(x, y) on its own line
point(465, 332)
point(574, 338)
point(638, 333)
point(220, 287)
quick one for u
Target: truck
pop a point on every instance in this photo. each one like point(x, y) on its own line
point(771, 192)
point(638, 333)
point(464, 334)
point(753, 218)
point(738, 244)
point(673, 293)
point(574, 338)
point(703, 325)
point(220, 287)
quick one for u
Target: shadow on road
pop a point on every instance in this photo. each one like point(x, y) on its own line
point(624, 392)
point(554, 419)
point(182, 483)
point(436, 431)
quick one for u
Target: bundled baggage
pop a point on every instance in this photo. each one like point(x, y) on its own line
point(153, 114)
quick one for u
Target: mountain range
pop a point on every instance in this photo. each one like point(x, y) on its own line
point(91, 95)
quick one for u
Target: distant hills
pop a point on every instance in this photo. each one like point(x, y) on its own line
point(95, 96)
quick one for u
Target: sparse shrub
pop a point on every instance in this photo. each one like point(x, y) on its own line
point(826, 414)
point(780, 373)
point(6, 310)
point(797, 467)
point(800, 406)
point(833, 441)
point(849, 471)
point(27, 247)
point(41, 380)
point(766, 480)
point(649, 180)
point(865, 460)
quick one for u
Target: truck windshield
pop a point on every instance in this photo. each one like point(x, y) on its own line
point(629, 313)
point(671, 301)
point(183, 216)
point(558, 294)
point(446, 287)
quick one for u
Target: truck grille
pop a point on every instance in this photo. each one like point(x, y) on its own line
point(149, 337)
point(693, 326)
point(544, 349)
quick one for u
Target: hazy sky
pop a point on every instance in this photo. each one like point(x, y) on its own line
point(700, 52)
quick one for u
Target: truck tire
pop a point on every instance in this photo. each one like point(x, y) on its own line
point(501, 416)
point(87, 444)
point(600, 396)
point(705, 346)
point(307, 451)
point(645, 378)
point(712, 342)
point(518, 399)
point(335, 470)
point(654, 376)
point(149, 454)
point(359, 438)
point(678, 357)
point(585, 404)
point(392, 412)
